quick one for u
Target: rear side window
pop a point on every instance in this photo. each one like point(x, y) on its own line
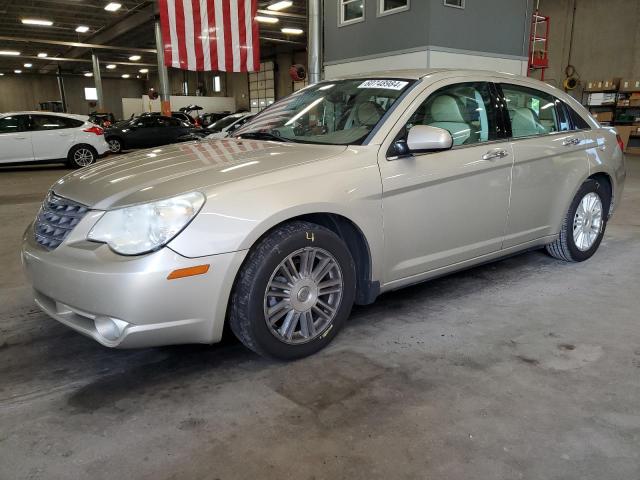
point(50, 122)
point(12, 124)
point(531, 111)
point(579, 123)
point(463, 109)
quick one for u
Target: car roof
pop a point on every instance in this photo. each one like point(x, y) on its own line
point(420, 73)
point(40, 112)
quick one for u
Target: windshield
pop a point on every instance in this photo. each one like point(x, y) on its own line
point(225, 122)
point(338, 113)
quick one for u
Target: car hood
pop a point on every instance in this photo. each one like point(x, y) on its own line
point(157, 173)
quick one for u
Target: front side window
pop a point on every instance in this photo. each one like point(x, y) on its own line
point(343, 112)
point(532, 112)
point(386, 7)
point(454, 3)
point(11, 124)
point(464, 110)
point(351, 11)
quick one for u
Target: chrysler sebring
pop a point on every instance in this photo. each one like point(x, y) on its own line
point(331, 196)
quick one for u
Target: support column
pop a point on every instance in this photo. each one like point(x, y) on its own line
point(97, 80)
point(63, 97)
point(163, 76)
point(314, 62)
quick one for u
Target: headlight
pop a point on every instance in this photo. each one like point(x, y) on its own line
point(147, 227)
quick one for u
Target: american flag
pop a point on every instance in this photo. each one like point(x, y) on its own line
point(209, 35)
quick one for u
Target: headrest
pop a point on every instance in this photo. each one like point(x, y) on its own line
point(369, 113)
point(445, 109)
point(523, 121)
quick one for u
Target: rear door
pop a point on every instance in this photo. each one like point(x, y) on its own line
point(53, 136)
point(15, 139)
point(441, 208)
point(549, 161)
point(145, 133)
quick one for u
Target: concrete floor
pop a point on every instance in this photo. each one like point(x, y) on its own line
point(526, 368)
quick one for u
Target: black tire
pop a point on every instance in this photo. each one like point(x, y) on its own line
point(564, 247)
point(113, 141)
point(82, 156)
point(246, 311)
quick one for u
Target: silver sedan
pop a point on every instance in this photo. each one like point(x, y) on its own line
point(333, 195)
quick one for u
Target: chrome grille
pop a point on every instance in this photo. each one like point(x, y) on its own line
point(56, 219)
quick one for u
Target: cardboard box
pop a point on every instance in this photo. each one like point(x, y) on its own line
point(603, 116)
point(592, 86)
point(630, 85)
point(601, 98)
point(611, 84)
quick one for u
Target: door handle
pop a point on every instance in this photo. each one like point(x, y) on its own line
point(495, 153)
point(570, 141)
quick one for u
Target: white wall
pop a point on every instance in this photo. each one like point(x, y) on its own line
point(209, 104)
point(428, 58)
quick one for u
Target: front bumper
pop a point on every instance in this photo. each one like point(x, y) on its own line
point(127, 302)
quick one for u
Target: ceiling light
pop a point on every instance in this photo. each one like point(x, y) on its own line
point(111, 66)
point(126, 75)
point(88, 74)
point(9, 52)
point(82, 29)
point(263, 19)
point(144, 70)
point(42, 55)
point(134, 58)
point(1, 74)
point(113, 7)
point(280, 5)
point(17, 71)
point(35, 21)
point(292, 31)
point(28, 65)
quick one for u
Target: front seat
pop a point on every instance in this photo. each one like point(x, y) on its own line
point(524, 122)
point(446, 114)
point(368, 114)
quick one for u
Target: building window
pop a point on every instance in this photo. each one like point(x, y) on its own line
point(388, 7)
point(216, 84)
point(454, 3)
point(261, 87)
point(351, 11)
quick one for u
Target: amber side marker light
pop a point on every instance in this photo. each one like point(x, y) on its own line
point(188, 272)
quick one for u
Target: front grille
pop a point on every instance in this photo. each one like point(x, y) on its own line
point(56, 219)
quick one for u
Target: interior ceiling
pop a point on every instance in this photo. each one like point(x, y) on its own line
point(131, 26)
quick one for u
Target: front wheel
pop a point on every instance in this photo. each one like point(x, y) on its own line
point(81, 156)
point(584, 225)
point(294, 291)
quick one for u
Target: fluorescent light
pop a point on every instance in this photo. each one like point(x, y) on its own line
point(280, 5)
point(35, 21)
point(263, 19)
point(1, 74)
point(144, 70)
point(17, 71)
point(42, 55)
point(292, 31)
point(82, 29)
point(135, 58)
point(28, 65)
point(113, 7)
point(125, 75)
point(88, 74)
point(111, 66)
point(9, 52)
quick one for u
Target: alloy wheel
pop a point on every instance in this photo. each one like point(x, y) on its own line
point(588, 221)
point(83, 157)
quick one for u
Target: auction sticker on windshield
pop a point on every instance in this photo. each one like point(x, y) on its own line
point(388, 84)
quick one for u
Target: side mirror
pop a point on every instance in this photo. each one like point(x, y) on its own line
point(423, 138)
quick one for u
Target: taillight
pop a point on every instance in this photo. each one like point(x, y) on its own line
point(620, 142)
point(95, 129)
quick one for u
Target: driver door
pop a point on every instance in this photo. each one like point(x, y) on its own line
point(144, 134)
point(442, 208)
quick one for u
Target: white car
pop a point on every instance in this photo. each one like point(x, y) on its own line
point(48, 136)
point(225, 126)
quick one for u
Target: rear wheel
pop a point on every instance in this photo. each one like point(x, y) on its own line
point(115, 145)
point(294, 292)
point(584, 225)
point(82, 156)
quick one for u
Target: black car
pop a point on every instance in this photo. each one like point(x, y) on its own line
point(185, 117)
point(148, 131)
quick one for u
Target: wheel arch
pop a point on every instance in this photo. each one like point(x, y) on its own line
point(606, 179)
point(82, 144)
point(356, 241)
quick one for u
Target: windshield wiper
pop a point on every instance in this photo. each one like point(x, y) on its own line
point(263, 136)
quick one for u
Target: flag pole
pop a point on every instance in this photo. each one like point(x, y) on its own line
point(163, 76)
